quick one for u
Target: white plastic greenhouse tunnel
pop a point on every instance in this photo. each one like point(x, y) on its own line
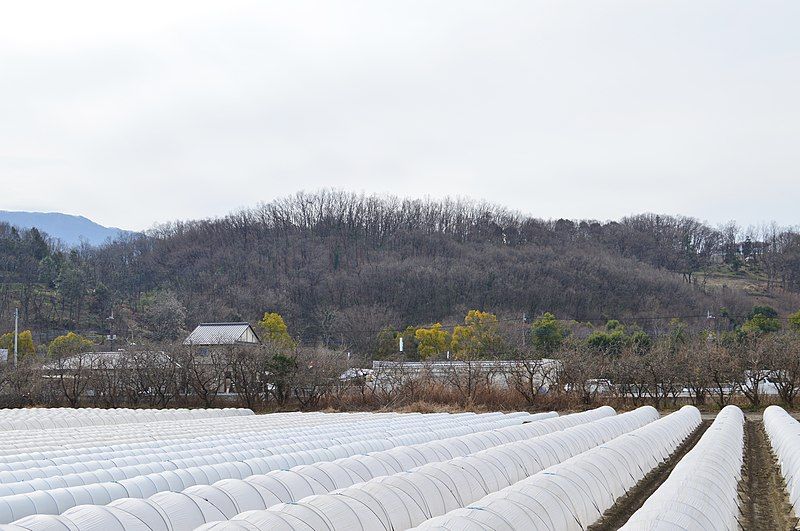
point(85, 469)
point(574, 494)
point(45, 418)
point(405, 499)
point(176, 470)
point(702, 490)
point(231, 497)
point(783, 431)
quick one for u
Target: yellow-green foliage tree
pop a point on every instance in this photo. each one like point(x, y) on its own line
point(24, 341)
point(68, 345)
point(273, 329)
point(760, 324)
point(478, 337)
point(547, 335)
point(432, 341)
point(794, 321)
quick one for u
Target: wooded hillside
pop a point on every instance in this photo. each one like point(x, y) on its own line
point(341, 267)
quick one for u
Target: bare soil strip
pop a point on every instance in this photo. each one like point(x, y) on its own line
point(763, 500)
point(616, 517)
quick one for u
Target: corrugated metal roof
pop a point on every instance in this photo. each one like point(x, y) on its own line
point(220, 334)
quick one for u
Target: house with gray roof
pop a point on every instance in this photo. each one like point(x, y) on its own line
point(213, 334)
point(210, 337)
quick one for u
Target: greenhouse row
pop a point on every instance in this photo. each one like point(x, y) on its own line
point(224, 499)
point(783, 431)
point(701, 492)
point(48, 418)
point(46, 444)
point(278, 441)
point(407, 499)
point(574, 494)
point(391, 471)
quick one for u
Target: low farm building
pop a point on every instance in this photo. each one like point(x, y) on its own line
point(496, 372)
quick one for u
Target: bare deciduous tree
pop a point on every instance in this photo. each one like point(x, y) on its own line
point(204, 370)
point(785, 366)
point(532, 377)
point(319, 370)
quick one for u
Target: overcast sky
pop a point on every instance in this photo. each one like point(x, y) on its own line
point(132, 113)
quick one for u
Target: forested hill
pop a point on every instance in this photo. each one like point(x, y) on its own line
point(340, 267)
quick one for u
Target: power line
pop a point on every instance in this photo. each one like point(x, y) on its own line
point(623, 320)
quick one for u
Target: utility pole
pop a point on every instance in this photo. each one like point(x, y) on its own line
point(524, 328)
point(111, 336)
point(711, 319)
point(16, 335)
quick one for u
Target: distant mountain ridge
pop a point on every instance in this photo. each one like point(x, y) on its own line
point(70, 229)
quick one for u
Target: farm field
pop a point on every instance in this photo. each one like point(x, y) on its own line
point(215, 469)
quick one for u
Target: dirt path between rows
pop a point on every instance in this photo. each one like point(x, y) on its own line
point(616, 517)
point(763, 500)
